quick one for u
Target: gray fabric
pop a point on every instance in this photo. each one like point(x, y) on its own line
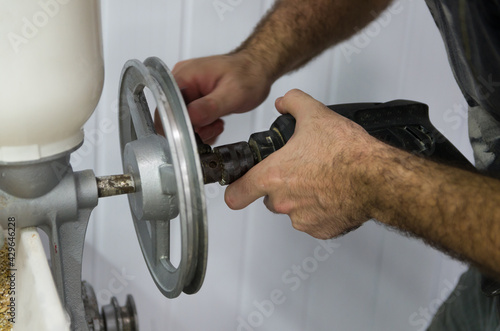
point(471, 32)
point(484, 133)
point(467, 308)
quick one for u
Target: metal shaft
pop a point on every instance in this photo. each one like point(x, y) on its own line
point(108, 186)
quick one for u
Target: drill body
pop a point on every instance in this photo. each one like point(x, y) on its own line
point(401, 123)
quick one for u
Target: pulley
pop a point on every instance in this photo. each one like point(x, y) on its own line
point(167, 175)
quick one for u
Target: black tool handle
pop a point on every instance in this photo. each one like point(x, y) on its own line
point(401, 123)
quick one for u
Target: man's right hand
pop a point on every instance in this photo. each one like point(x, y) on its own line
point(219, 85)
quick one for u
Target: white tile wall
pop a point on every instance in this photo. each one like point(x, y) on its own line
point(374, 279)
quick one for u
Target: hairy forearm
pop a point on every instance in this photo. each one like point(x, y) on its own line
point(295, 31)
point(455, 210)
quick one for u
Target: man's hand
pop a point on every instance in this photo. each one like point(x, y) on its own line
point(317, 178)
point(291, 34)
point(332, 176)
point(219, 85)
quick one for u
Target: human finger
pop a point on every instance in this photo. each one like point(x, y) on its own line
point(297, 103)
point(210, 132)
point(246, 190)
point(158, 125)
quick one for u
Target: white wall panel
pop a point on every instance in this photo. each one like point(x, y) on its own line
point(371, 279)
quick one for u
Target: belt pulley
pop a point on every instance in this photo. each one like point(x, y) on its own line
point(167, 175)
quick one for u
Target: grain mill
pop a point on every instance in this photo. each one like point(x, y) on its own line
point(51, 80)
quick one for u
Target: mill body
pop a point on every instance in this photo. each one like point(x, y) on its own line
point(52, 75)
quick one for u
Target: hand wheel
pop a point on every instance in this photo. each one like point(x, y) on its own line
point(167, 174)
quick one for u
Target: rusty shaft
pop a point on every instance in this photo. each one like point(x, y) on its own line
point(108, 186)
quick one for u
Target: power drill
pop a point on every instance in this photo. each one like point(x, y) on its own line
point(401, 123)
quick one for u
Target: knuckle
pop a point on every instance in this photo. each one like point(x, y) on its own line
point(282, 207)
point(293, 93)
point(178, 66)
point(202, 112)
point(290, 95)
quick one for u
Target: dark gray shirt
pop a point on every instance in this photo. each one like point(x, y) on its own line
point(471, 32)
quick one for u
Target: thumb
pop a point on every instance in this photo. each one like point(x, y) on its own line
point(297, 103)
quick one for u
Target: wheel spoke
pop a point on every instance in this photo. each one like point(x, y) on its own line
point(161, 240)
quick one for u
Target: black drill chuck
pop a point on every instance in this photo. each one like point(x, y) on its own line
point(227, 163)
